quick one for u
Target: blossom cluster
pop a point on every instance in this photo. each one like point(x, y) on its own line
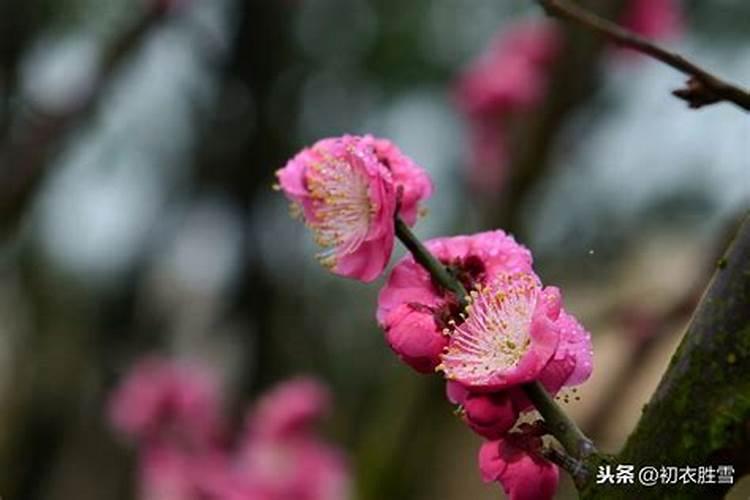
point(511, 79)
point(171, 411)
point(514, 331)
point(509, 330)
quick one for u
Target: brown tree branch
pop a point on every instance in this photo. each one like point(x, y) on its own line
point(703, 88)
point(700, 413)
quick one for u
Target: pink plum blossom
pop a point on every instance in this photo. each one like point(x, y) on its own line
point(414, 311)
point(490, 415)
point(510, 78)
point(280, 452)
point(489, 153)
point(162, 397)
point(511, 74)
point(348, 190)
point(570, 365)
point(522, 473)
point(164, 474)
point(507, 338)
point(279, 456)
point(299, 467)
point(290, 409)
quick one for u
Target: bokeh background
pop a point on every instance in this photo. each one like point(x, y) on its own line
point(138, 142)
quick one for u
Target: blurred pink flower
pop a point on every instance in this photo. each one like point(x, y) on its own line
point(510, 78)
point(522, 473)
point(654, 18)
point(511, 74)
point(347, 188)
point(489, 154)
point(298, 467)
point(507, 338)
point(165, 474)
point(161, 397)
point(277, 457)
point(280, 452)
point(414, 311)
point(289, 409)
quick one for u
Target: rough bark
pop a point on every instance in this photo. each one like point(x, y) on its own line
point(700, 413)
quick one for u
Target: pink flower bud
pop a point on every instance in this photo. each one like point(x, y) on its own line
point(523, 475)
point(410, 331)
point(490, 415)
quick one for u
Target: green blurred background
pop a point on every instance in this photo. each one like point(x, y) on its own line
point(137, 153)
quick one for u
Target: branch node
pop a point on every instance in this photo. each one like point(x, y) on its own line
point(696, 94)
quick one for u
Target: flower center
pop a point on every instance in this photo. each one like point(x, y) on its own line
point(342, 206)
point(496, 332)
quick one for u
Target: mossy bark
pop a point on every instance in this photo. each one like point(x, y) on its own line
point(700, 413)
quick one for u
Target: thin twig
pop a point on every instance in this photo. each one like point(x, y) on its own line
point(430, 263)
point(558, 423)
point(703, 88)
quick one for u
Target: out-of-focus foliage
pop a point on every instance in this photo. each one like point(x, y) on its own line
point(154, 226)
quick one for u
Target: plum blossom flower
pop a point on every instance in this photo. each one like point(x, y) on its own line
point(163, 397)
point(510, 78)
point(414, 311)
point(507, 338)
point(290, 409)
point(278, 456)
point(511, 73)
point(514, 330)
point(570, 365)
point(348, 191)
point(280, 452)
point(167, 472)
point(512, 462)
point(299, 467)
